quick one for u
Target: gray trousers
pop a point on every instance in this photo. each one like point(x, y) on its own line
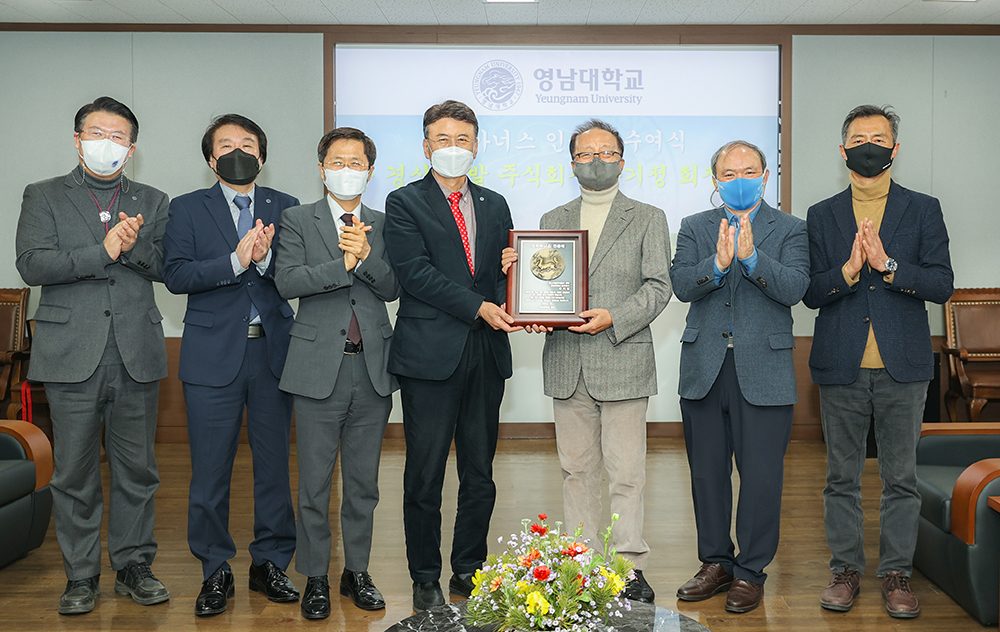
point(128, 411)
point(352, 421)
point(846, 413)
point(590, 433)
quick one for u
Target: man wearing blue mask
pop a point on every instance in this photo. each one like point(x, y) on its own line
point(218, 250)
point(878, 252)
point(741, 267)
point(445, 237)
point(602, 373)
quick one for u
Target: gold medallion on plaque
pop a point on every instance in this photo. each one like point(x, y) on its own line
point(548, 264)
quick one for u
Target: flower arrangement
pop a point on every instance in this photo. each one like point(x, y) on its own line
point(550, 581)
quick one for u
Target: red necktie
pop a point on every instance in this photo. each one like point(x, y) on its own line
point(454, 198)
point(353, 330)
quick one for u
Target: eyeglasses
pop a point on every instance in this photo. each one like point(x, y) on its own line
point(444, 141)
point(337, 165)
point(605, 156)
point(96, 133)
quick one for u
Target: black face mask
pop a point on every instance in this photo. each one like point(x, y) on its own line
point(237, 167)
point(868, 160)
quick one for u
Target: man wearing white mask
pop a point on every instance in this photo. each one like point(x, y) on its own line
point(332, 258)
point(601, 374)
point(445, 237)
point(92, 240)
point(741, 266)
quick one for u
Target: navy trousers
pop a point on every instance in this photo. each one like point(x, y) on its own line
point(716, 428)
point(215, 416)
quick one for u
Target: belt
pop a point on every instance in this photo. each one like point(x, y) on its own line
point(353, 349)
point(255, 331)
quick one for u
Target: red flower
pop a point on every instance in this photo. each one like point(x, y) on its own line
point(542, 516)
point(575, 549)
point(539, 529)
point(542, 573)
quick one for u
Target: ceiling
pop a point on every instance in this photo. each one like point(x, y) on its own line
point(475, 12)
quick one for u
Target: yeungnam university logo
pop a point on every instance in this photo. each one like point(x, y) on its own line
point(497, 85)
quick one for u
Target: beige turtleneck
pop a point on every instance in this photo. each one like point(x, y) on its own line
point(869, 202)
point(594, 212)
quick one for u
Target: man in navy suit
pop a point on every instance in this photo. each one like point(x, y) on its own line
point(218, 251)
point(742, 267)
point(444, 236)
point(878, 252)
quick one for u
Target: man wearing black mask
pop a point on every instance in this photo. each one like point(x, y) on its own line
point(877, 253)
point(218, 249)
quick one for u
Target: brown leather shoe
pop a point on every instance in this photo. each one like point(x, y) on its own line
point(900, 602)
point(710, 580)
point(843, 588)
point(744, 596)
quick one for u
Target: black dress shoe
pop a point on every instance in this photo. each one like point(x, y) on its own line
point(359, 587)
point(316, 601)
point(79, 596)
point(638, 589)
point(427, 595)
point(272, 581)
point(461, 584)
point(216, 591)
point(137, 580)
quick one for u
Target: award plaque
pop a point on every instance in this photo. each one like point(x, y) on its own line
point(547, 285)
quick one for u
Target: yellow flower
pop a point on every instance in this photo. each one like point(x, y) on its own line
point(522, 587)
point(615, 580)
point(478, 579)
point(537, 603)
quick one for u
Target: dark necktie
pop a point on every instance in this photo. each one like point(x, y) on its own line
point(243, 226)
point(453, 198)
point(354, 330)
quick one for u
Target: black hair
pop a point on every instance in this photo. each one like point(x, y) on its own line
point(111, 106)
point(346, 133)
point(208, 140)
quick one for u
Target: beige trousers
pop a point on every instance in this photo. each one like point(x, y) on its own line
point(589, 432)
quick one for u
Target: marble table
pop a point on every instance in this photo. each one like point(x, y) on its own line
point(642, 618)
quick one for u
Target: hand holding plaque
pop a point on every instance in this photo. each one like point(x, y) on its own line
point(547, 284)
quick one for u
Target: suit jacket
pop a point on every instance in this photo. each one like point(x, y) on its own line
point(755, 308)
point(913, 233)
point(630, 277)
point(198, 242)
point(60, 246)
point(310, 267)
point(439, 297)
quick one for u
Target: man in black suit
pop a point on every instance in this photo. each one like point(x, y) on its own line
point(218, 251)
point(445, 237)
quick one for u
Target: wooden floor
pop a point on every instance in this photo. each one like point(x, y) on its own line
point(528, 482)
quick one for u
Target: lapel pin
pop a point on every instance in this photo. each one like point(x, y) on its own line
point(134, 198)
point(482, 199)
point(268, 200)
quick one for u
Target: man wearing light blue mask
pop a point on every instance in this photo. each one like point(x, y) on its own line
point(741, 266)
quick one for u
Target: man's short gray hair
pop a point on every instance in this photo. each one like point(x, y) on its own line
point(728, 147)
point(595, 124)
point(865, 111)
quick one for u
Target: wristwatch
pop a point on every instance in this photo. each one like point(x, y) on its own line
point(890, 266)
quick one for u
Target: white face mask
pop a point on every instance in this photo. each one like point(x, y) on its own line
point(452, 162)
point(346, 184)
point(104, 157)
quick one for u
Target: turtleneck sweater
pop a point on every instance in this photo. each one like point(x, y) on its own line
point(594, 212)
point(869, 202)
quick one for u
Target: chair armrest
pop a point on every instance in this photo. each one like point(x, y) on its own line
point(36, 446)
point(979, 428)
point(10, 357)
point(966, 495)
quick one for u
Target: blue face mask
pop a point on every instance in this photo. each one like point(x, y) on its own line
point(741, 194)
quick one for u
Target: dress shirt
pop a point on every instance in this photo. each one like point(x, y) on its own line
point(238, 269)
point(468, 211)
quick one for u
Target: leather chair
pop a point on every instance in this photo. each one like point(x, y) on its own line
point(13, 345)
point(25, 497)
point(958, 542)
point(972, 324)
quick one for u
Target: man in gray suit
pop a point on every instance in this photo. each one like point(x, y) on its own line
point(741, 266)
point(91, 239)
point(332, 258)
point(601, 374)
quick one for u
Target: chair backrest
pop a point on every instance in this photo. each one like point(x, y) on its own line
point(972, 321)
point(13, 312)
